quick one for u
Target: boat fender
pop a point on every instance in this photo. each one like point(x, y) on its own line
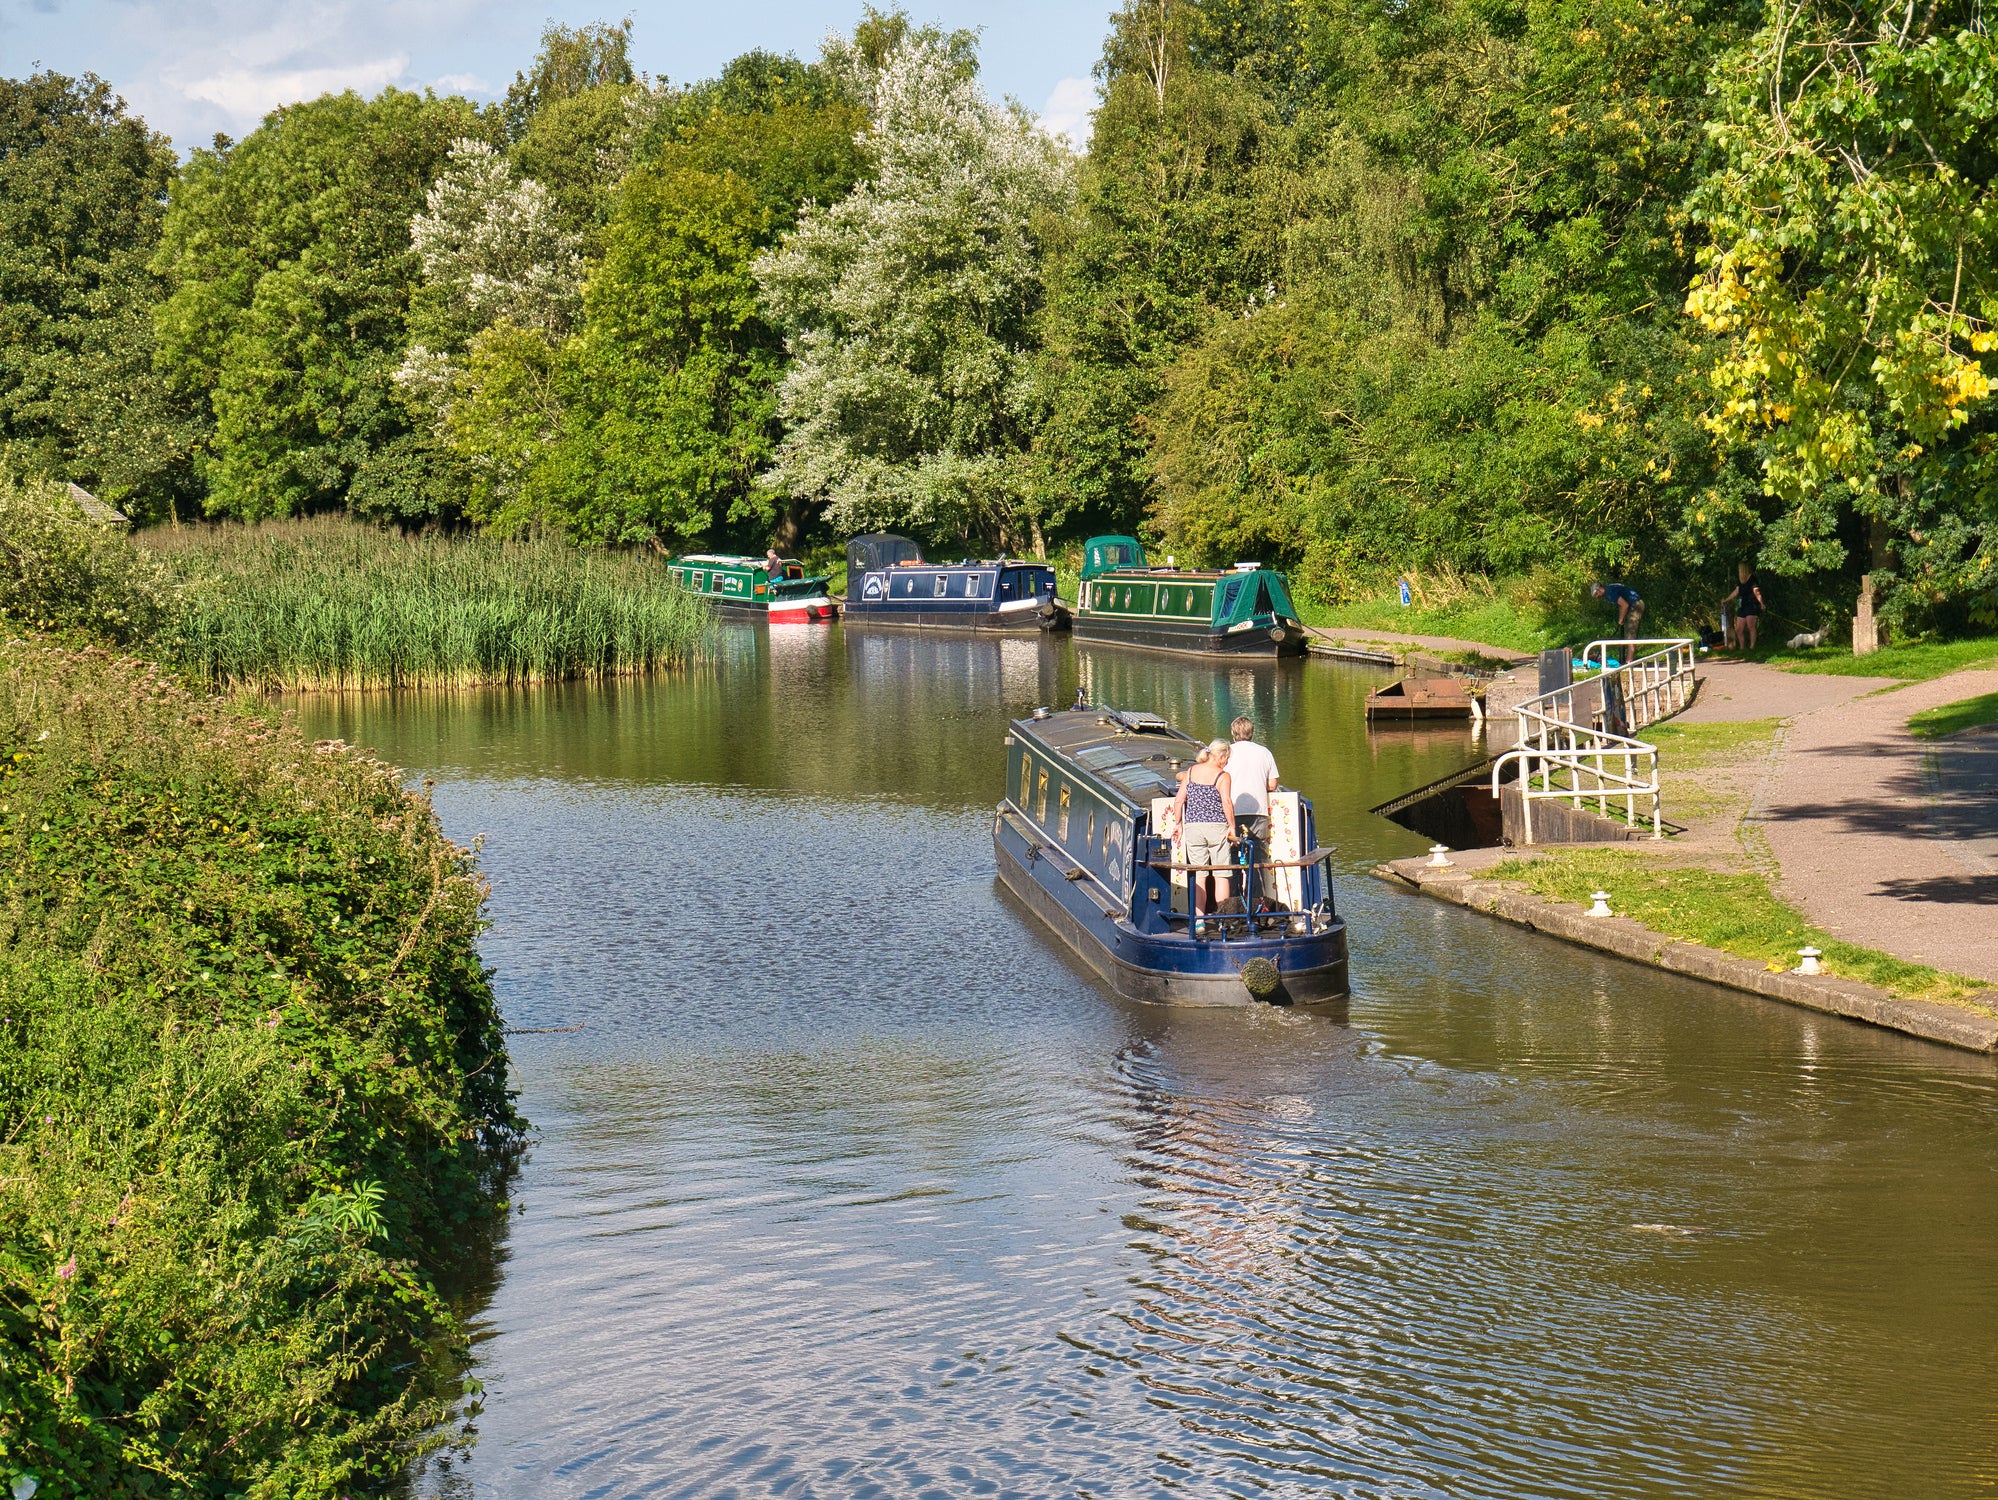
point(1277, 634)
point(1261, 978)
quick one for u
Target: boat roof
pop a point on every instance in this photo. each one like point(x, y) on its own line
point(1131, 754)
point(945, 567)
point(726, 559)
point(1194, 575)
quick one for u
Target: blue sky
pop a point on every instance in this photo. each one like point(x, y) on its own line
point(193, 67)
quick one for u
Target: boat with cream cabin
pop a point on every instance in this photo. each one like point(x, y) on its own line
point(1245, 610)
point(888, 582)
point(1085, 839)
point(748, 586)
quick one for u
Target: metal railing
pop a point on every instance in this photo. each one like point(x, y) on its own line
point(1561, 758)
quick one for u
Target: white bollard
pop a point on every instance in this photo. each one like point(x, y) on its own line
point(1810, 957)
point(1601, 908)
point(1436, 859)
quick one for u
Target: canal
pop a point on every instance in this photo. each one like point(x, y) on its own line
point(852, 1185)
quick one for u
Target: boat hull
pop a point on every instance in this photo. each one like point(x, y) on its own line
point(1190, 637)
point(1165, 969)
point(1024, 621)
point(815, 609)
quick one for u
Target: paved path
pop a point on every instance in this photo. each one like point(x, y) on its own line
point(1733, 691)
point(1884, 839)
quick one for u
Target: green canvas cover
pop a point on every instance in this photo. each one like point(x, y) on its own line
point(1100, 554)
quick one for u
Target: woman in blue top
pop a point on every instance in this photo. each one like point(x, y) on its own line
point(1205, 807)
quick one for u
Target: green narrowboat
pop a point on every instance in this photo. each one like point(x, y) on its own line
point(1241, 611)
point(747, 585)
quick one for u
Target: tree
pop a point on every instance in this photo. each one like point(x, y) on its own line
point(654, 419)
point(292, 269)
point(573, 61)
point(1851, 277)
point(83, 186)
point(909, 306)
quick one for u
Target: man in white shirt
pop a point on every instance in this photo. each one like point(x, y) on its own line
point(1253, 772)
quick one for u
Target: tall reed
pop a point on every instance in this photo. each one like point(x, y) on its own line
point(330, 603)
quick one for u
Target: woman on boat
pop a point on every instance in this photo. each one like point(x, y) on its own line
point(1205, 808)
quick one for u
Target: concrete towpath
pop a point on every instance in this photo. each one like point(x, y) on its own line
point(1395, 643)
point(1888, 840)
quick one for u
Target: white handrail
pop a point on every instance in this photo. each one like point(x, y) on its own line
point(1560, 757)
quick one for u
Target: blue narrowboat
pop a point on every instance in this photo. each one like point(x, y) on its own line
point(1242, 611)
point(1084, 840)
point(889, 583)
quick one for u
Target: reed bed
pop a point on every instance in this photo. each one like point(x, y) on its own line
point(326, 603)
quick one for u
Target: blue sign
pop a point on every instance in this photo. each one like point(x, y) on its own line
point(1404, 593)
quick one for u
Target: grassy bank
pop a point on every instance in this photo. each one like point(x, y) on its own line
point(329, 603)
point(1917, 663)
point(252, 1089)
point(1736, 913)
point(1952, 718)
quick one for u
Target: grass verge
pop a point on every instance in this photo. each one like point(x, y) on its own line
point(332, 603)
point(1916, 663)
point(1949, 718)
point(1687, 747)
point(1492, 622)
point(252, 1094)
point(1736, 913)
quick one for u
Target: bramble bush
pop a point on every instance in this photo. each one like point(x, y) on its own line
point(252, 1088)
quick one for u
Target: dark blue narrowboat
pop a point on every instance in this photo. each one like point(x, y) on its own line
point(1083, 840)
point(889, 583)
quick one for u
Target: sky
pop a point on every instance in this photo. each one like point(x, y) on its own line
point(196, 67)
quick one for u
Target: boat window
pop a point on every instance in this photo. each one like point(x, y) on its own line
point(943, 583)
point(979, 586)
point(1061, 828)
point(701, 582)
point(1041, 797)
point(1089, 838)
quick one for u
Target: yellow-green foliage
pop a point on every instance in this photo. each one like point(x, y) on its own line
point(330, 603)
point(252, 1087)
point(1736, 913)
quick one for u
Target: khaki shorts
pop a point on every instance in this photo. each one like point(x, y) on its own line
point(1206, 843)
point(1632, 620)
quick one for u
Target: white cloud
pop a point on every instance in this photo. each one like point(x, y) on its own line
point(461, 83)
point(1068, 109)
point(248, 94)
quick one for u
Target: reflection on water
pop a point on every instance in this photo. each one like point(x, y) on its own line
point(853, 1186)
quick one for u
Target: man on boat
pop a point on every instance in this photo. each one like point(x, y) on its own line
point(772, 563)
point(1253, 770)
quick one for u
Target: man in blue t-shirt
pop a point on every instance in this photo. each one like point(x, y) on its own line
point(1629, 606)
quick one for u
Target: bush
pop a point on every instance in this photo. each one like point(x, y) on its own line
point(60, 572)
point(252, 1085)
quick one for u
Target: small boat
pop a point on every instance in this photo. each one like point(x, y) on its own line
point(1426, 697)
point(1083, 839)
point(745, 585)
point(1240, 611)
point(888, 583)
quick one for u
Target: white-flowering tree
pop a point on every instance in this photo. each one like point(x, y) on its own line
point(907, 307)
point(494, 251)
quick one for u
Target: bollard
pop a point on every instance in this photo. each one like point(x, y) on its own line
point(1810, 957)
point(1601, 908)
point(1436, 859)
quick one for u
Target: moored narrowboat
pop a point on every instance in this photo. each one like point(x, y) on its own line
point(1084, 840)
point(748, 586)
point(1242, 611)
point(889, 583)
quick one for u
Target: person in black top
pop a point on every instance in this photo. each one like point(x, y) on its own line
point(1748, 606)
point(1629, 606)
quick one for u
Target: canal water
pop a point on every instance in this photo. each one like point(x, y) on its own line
point(853, 1185)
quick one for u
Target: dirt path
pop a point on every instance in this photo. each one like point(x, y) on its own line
point(1885, 839)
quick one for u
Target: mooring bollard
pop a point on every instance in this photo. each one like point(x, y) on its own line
point(1601, 908)
point(1810, 957)
point(1436, 857)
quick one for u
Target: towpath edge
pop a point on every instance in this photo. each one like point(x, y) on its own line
point(1975, 1030)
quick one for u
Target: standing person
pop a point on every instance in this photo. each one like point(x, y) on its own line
point(1748, 606)
point(1629, 606)
point(1206, 810)
point(772, 563)
point(1253, 770)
